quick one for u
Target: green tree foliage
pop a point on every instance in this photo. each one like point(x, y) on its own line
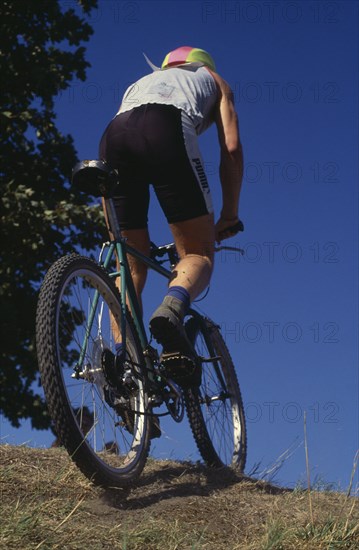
point(42, 217)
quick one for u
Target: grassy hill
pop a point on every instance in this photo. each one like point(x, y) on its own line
point(46, 503)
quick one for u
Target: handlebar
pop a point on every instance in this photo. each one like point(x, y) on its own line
point(170, 251)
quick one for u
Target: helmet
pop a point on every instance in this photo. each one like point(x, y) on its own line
point(187, 54)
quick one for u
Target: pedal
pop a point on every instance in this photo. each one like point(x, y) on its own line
point(210, 359)
point(177, 359)
point(184, 370)
point(172, 355)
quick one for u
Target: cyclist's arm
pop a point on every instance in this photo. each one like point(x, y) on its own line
point(231, 163)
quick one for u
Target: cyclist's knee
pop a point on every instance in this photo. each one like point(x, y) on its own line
point(201, 249)
point(203, 262)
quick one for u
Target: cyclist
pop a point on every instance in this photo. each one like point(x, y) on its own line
point(154, 139)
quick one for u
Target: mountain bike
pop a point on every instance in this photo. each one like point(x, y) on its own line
point(106, 411)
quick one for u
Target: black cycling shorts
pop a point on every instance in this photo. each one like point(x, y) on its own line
point(156, 144)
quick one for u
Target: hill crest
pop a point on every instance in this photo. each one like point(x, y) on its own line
point(47, 503)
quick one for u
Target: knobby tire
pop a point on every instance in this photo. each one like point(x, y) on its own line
point(215, 410)
point(60, 328)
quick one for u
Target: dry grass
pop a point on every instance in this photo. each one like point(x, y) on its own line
point(47, 504)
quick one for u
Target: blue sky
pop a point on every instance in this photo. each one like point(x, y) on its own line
point(289, 307)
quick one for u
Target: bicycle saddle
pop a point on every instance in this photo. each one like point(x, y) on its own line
point(94, 177)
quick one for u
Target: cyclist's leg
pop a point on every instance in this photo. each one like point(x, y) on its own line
point(182, 189)
point(194, 240)
point(195, 244)
point(140, 240)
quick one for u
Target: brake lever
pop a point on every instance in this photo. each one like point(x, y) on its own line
point(233, 248)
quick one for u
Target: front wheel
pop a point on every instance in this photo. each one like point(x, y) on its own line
point(98, 407)
point(215, 409)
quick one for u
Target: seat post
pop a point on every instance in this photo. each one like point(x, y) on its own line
point(112, 218)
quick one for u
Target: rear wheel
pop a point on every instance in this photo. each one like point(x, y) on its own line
point(98, 405)
point(215, 409)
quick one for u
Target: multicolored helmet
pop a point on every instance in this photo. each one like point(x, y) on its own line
point(187, 54)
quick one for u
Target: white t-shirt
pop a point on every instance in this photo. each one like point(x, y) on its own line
point(189, 88)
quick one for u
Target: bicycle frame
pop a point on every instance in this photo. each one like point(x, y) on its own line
point(127, 290)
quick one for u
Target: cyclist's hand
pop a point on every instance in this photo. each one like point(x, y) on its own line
point(227, 228)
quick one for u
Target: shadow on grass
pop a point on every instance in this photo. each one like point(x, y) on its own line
point(181, 480)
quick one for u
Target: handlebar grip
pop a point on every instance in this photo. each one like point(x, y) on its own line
point(238, 226)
